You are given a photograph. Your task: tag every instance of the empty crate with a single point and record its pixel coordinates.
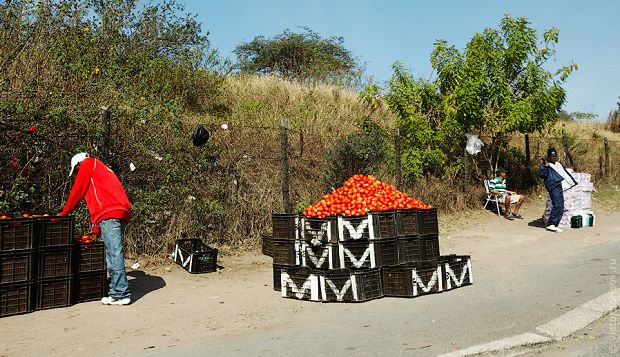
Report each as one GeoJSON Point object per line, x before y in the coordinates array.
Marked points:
{"type": "Point", "coordinates": [266, 245]}
{"type": "Point", "coordinates": [195, 256]}
{"type": "Point", "coordinates": [55, 262]}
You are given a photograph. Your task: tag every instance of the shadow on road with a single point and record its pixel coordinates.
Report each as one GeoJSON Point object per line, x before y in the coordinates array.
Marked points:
{"type": "Point", "coordinates": [141, 284]}
{"type": "Point", "coordinates": [537, 223]}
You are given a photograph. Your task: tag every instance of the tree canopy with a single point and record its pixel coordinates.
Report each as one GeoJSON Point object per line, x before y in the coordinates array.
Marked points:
{"type": "Point", "coordinates": [496, 86]}
{"type": "Point", "coordinates": [299, 56]}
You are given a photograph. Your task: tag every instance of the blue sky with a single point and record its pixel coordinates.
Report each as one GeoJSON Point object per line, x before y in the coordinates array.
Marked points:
{"type": "Point", "coordinates": [380, 33]}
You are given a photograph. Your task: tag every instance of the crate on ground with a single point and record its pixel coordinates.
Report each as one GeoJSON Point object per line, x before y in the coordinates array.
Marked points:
{"type": "Point", "coordinates": [417, 222]}
{"type": "Point", "coordinates": [195, 256]}
{"type": "Point", "coordinates": [53, 292]}
{"type": "Point", "coordinates": [17, 266]}
{"type": "Point", "coordinates": [457, 271]}
{"type": "Point", "coordinates": [90, 286]}
{"type": "Point", "coordinates": [16, 234]}
{"type": "Point", "coordinates": [300, 283]}
{"type": "Point", "coordinates": [412, 280]}
{"type": "Point", "coordinates": [89, 257]}
{"type": "Point", "coordinates": [348, 285]}
{"type": "Point", "coordinates": [285, 226]}
{"type": "Point", "coordinates": [319, 230]}
{"type": "Point", "coordinates": [429, 247]}
{"type": "Point", "coordinates": [321, 256]}
{"type": "Point", "coordinates": [266, 245]}
{"type": "Point", "coordinates": [54, 231]}
{"type": "Point", "coordinates": [286, 252]}
{"type": "Point", "coordinates": [16, 298]}
{"type": "Point", "coordinates": [54, 262]}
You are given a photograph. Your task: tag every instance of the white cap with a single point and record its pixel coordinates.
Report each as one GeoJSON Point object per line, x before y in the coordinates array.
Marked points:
{"type": "Point", "coordinates": [76, 159]}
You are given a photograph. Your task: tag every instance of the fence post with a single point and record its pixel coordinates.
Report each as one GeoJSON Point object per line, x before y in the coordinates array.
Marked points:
{"type": "Point", "coordinates": [527, 150]}
{"type": "Point", "coordinates": [567, 153]}
{"type": "Point", "coordinates": [105, 140]}
{"type": "Point", "coordinates": [606, 143]}
{"type": "Point", "coordinates": [465, 165]}
{"type": "Point", "coordinates": [399, 174]}
{"type": "Point", "coordinates": [286, 200]}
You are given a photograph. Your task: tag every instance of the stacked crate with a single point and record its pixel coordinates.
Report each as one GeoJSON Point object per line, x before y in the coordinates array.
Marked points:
{"type": "Point", "coordinates": [90, 271]}
{"type": "Point", "coordinates": [42, 267]}
{"type": "Point", "coordinates": [17, 258]}
{"type": "Point", "coordinates": [354, 259]}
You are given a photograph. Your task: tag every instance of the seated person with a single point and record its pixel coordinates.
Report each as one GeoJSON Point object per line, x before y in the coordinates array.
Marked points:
{"type": "Point", "coordinates": [498, 186]}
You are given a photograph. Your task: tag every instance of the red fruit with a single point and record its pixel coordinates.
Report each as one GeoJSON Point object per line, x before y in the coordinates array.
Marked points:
{"type": "Point", "coordinates": [32, 129]}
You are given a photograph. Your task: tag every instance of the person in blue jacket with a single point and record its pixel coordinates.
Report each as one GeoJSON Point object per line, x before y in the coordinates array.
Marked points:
{"type": "Point", "coordinates": [557, 180]}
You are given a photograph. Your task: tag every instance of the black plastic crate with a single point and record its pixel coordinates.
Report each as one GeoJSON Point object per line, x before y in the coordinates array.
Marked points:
{"type": "Point", "coordinates": [53, 292]}
{"type": "Point", "coordinates": [266, 245]}
{"type": "Point", "coordinates": [90, 286]}
{"type": "Point", "coordinates": [374, 225]}
{"type": "Point", "coordinates": [412, 280]}
{"type": "Point", "coordinates": [300, 283]}
{"type": "Point", "coordinates": [16, 298]}
{"type": "Point", "coordinates": [53, 231]}
{"type": "Point", "coordinates": [54, 262]}
{"type": "Point", "coordinates": [429, 247]}
{"type": "Point", "coordinates": [319, 230]}
{"type": "Point", "coordinates": [408, 250]}
{"type": "Point", "coordinates": [277, 275]}
{"type": "Point", "coordinates": [386, 252]}
{"type": "Point", "coordinates": [417, 222]}
{"type": "Point", "coordinates": [285, 226]}
{"type": "Point", "coordinates": [195, 256]}
{"type": "Point", "coordinates": [322, 256]}
{"type": "Point", "coordinates": [286, 252]}
{"type": "Point", "coordinates": [89, 257]}
{"type": "Point", "coordinates": [457, 271]}
{"type": "Point", "coordinates": [347, 285]}
{"type": "Point", "coordinates": [16, 234]}
{"type": "Point", "coordinates": [17, 266]}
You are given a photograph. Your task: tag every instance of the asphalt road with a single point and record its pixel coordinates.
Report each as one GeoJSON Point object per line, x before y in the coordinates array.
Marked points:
{"type": "Point", "coordinates": [524, 277]}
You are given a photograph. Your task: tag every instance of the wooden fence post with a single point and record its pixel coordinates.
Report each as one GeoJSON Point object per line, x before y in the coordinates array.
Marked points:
{"type": "Point", "coordinates": [105, 139]}
{"type": "Point", "coordinates": [399, 175]}
{"type": "Point", "coordinates": [528, 158]}
{"type": "Point", "coordinates": [286, 200]}
{"type": "Point", "coordinates": [465, 164]}
{"type": "Point", "coordinates": [606, 144]}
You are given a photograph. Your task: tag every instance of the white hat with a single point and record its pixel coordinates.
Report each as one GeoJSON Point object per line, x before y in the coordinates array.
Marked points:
{"type": "Point", "coordinates": [76, 159]}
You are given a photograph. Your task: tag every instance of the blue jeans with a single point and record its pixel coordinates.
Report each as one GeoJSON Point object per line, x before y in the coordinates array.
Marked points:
{"type": "Point", "coordinates": [557, 205]}
{"type": "Point", "coordinates": [112, 231]}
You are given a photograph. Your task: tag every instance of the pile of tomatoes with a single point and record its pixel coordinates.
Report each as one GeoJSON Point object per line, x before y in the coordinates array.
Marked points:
{"type": "Point", "coordinates": [22, 215]}
{"type": "Point", "coordinates": [359, 195]}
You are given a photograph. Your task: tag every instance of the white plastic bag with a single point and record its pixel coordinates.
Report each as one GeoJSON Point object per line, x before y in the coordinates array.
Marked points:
{"type": "Point", "coordinates": [474, 144]}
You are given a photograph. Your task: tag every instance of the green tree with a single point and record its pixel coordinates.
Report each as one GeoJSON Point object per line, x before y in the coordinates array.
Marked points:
{"type": "Point", "coordinates": [300, 56]}
{"type": "Point", "coordinates": [498, 85]}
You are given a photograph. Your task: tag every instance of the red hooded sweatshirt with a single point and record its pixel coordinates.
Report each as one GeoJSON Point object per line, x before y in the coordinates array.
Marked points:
{"type": "Point", "coordinates": [104, 194]}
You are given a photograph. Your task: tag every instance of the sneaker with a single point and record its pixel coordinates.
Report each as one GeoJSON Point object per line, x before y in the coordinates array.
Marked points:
{"type": "Point", "coordinates": [553, 228]}
{"type": "Point", "coordinates": [109, 300]}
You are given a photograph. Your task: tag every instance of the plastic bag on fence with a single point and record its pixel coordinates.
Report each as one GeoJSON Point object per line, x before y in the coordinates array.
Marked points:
{"type": "Point", "coordinates": [200, 136]}
{"type": "Point", "coordinates": [474, 144]}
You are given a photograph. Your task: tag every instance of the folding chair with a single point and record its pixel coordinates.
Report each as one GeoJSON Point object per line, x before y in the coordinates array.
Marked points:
{"type": "Point", "coordinates": [491, 197]}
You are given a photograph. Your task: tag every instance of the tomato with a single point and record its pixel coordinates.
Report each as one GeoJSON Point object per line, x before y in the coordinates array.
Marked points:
{"type": "Point", "coordinates": [359, 195]}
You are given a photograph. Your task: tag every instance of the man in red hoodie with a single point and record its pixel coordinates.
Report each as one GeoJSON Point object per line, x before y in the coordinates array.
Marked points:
{"type": "Point", "coordinates": [110, 211]}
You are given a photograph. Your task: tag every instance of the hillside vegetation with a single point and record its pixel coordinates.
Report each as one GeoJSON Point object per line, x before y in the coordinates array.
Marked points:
{"type": "Point", "coordinates": [159, 78]}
